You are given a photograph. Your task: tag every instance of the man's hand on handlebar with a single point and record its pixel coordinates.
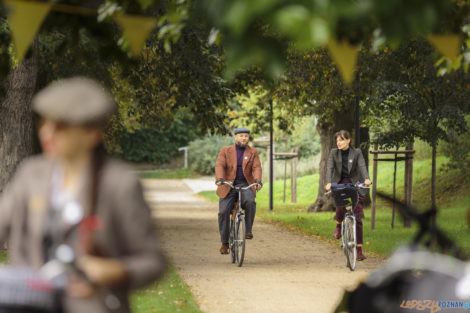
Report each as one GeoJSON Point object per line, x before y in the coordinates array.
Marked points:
{"type": "Point", "coordinates": [367, 182]}
{"type": "Point", "coordinates": [219, 181]}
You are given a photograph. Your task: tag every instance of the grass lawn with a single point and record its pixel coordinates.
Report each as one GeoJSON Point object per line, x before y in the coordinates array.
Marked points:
{"type": "Point", "coordinates": [170, 174]}
{"type": "Point", "coordinates": [171, 294]}
{"type": "Point", "coordinates": [3, 257]}
{"type": "Point", "coordinates": [453, 201]}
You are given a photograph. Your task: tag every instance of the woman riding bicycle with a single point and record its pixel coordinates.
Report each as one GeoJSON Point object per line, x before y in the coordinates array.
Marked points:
{"type": "Point", "coordinates": [346, 165]}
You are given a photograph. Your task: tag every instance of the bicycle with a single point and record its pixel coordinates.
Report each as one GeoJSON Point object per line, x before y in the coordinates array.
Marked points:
{"type": "Point", "coordinates": [345, 195]}
{"type": "Point", "coordinates": [237, 238]}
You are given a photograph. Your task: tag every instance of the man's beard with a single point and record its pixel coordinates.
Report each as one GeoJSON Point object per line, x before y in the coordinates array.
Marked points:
{"type": "Point", "coordinates": [241, 145]}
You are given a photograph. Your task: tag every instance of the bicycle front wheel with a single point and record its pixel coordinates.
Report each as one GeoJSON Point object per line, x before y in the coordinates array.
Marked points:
{"type": "Point", "coordinates": [231, 240]}
{"type": "Point", "coordinates": [239, 239]}
{"type": "Point", "coordinates": [349, 244]}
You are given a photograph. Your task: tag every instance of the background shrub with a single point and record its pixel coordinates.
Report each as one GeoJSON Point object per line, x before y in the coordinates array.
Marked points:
{"type": "Point", "coordinates": [202, 153]}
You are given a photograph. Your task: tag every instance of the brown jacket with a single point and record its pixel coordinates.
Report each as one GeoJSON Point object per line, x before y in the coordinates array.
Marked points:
{"type": "Point", "coordinates": [126, 232]}
{"type": "Point", "coordinates": [226, 167]}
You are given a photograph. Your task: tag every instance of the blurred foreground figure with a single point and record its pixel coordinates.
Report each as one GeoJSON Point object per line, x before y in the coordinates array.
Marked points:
{"type": "Point", "coordinates": [73, 206]}
{"type": "Point", "coordinates": [415, 278]}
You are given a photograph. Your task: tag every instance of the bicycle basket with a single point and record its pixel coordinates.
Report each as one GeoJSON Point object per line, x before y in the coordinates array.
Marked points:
{"type": "Point", "coordinates": [344, 194]}
{"type": "Point", "coordinates": [23, 289]}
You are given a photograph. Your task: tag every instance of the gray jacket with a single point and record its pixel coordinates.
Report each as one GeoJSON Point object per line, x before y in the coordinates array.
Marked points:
{"type": "Point", "coordinates": [356, 166]}
{"type": "Point", "coordinates": [126, 232]}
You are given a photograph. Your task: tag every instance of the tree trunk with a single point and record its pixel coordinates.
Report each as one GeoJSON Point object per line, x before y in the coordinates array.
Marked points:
{"type": "Point", "coordinates": [16, 121]}
{"type": "Point", "coordinates": [365, 146]}
{"type": "Point", "coordinates": [433, 180]}
{"type": "Point", "coordinates": [433, 198]}
{"type": "Point", "coordinates": [323, 203]}
{"type": "Point", "coordinates": [342, 120]}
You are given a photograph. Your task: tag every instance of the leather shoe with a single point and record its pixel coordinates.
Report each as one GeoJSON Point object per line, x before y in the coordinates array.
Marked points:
{"type": "Point", "coordinates": [360, 256]}
{"type": "Point", "coordinates": [249, 235]}
{"type": "Point", "coordinates": [224, 248]}
{"type": "Point", "coordinates": [337, 233]}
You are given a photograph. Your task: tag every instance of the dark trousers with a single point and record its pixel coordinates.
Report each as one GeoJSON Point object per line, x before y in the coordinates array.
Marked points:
{"type": "Point", "coordinates": [227, 204]}
{"type": "Point", "coordinates": [358, 213]}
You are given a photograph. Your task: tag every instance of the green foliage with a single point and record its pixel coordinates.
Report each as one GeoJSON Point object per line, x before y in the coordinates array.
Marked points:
{"type": "Point", "coordinates": [155, 145]}
{"type": "Point", "coordinates": [422, 150]}
{"type": "Point", "coordinates": [251, 109]}
{"type": "Point", "coordinates": [4, 51]}
{"type": "Point", "coordinates": [162, 84]}
{"type": "Point", "coordinates": [457, 148]}
{"type": "Point", "coordinates": [305, 137]}
{"type": "Point", "coordinates": [171, 294]}
{"type": "Point", "coordinates": [258, 33]}
{"type": "Point", "coordinates": [414, 101]}
{"type": "Point", "coordinates": [202, 153]}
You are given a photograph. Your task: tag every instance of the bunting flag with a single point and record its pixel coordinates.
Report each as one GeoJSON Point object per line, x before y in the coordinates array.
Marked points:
{"type": "Point", "coordinates": [24, 19]}
{"type": "Point", "coordinates": [345, 56]}
{"type": "Point", "coordinates": [447, 45]}
{"type": "Point", "coordinates": [136, 30]}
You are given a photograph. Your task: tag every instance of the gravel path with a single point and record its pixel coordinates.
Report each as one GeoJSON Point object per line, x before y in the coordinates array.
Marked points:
{"type": "Point", "coordinates": [283, 271]}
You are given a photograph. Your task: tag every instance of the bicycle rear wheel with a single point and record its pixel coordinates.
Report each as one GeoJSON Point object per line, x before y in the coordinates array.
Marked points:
{"type": "Point", "coordinates": [231, 240]}
{"type": "Point", "coordinates": [240, 239]}
{"type": "Point", "coordinates": [349, 244]}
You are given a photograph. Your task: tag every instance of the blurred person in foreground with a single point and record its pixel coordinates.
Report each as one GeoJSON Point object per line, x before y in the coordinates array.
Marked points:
{"type": "Point", "coordinates": [72, 194]}
{"type": "Point", "coordinates": [240, 164]}
{"type": "Point", "coordinates": [346, 165]}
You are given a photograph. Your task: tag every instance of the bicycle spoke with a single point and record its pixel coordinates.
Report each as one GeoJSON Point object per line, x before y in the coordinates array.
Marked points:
{"type": "Point", "coordinates": [232, 241]}
{"type": "Point", "coordinates": [240, 233]}
{"type": "Point", "coordinates": [350, 248]}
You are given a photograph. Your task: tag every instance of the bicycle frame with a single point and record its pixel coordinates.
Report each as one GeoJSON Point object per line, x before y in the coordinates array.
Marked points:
{"type": "Point", "coordinates": [349, 214]}
{"type": "Point", "coordinates": [235, 244]}
{"type": "Point", "coordinates": [239, 189]}
{"type": "Point", "coordinates": [349, 246]}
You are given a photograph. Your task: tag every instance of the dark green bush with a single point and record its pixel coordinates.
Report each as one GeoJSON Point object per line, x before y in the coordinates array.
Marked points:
{"type": "Point", "coordinates": [154, 145]}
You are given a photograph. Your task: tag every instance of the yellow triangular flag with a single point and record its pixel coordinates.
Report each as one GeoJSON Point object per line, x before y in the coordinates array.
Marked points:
{"type": "Point", "coordinates": [447, 45]}
{"type": "Point", "coordinates": [24, 19]}
{"type": "Point", "coordinates": [345, 55]}
{"type": "Point", "coordinates": [136, 29]}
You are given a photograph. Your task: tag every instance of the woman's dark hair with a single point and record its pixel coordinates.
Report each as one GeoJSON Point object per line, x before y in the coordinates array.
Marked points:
{"type": "Point", "coordinates": [343, 134]}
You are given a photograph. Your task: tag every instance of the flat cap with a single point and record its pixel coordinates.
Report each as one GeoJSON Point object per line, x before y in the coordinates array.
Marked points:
{"type": "Point", "coordinates": [241, 130]}
{"type": "Point", "coordinates": [75, 101]}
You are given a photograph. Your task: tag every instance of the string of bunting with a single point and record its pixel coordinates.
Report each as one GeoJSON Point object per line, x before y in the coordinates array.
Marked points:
{"type": "Point", "coordinates": [26, 17]}
{"type": "Point", "coordinates": [345, 54]}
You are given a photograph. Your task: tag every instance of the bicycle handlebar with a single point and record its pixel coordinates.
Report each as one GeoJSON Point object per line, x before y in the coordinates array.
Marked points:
{"type": "Point", "coordinates": [357, 185]}
{"type": "Point", "coordinates": [242, 188]}
{"type": "Point", "coordinates": [362, 185]}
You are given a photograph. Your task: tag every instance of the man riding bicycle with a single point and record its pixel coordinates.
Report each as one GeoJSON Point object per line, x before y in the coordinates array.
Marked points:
{"type": "Point", "coordinates": [240, 164]}
{"type": "Point", "coordinates": [346, 165]}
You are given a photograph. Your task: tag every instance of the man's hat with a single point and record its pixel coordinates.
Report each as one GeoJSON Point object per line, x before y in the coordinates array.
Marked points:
{"type": "Point", "coordinates": [75, 101]}
{"type": "Point", "coordinates": [241, 130]}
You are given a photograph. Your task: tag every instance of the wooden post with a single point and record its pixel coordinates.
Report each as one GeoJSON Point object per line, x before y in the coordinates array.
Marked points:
{"type": "Point", "coordinates": [293, 177]}
{"type": "Point", "coordinates": [274, 162]}
{"type": "Point", "coordinates": [285, 174]}
{"type": "Point", "coordinates": [408, 181]}
{"type": "Point", "coordinates": [374, 188]}
{"type": "Point", "coordinates": [268, 165]}
{"type": "Point", "coordinates": [394, 190]}
{"type": "Point", "coordinates": [405, 220]}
